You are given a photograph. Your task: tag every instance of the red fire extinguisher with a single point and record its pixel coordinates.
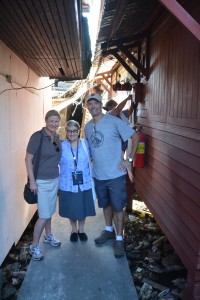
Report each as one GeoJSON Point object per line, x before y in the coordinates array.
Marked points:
{"type": "Point", "coordinates": [139, 156]}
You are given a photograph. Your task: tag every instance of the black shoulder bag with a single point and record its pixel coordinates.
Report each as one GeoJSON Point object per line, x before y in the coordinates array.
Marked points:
{"type": "Point", "coordinates": [29, 196]}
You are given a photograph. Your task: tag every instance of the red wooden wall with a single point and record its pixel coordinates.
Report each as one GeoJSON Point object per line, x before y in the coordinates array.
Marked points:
{"type": "Point", "coordinates": [170, 114]}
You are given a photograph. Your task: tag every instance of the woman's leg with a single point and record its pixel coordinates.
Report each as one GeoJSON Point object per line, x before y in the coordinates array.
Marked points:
{"type": "Point", "coordinates": [74, 226]}
{"type": "Point", "coordinates": [39, 227]}
{"type": "Point", "coordinates": [48, 227]}
{"type": "Point", "coordinates": [81, 224]}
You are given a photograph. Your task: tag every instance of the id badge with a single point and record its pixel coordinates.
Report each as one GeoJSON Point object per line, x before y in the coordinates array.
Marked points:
{"type": "Point", "coordinates": [77, 177]}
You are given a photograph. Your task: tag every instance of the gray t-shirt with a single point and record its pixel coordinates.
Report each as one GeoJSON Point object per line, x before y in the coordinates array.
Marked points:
{"type": "Point", "coordinates": [123, 115]}
{"type": "Point", "coordinates": [104, 140]}
{"type": "Point", "coordinates": [49, 157]}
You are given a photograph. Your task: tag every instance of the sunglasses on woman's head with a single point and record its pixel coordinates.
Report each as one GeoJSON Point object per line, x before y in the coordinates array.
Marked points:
{"type": "Point", "coordinates": [56, 145]}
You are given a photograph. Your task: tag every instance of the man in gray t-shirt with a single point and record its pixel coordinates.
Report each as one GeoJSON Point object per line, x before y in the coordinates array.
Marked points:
{"type": "Point", "coordinates": [104, 134]}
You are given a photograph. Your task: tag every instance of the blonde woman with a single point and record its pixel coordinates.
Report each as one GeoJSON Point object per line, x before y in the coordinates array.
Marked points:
{"type": "Point", "coordinates": [76, 199]}
{"type": "Point", "coordinates": [46, 183]}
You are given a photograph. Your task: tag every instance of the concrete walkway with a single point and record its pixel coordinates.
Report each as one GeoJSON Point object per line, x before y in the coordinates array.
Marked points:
{"type": "Point", "coordinates": [78, 270]}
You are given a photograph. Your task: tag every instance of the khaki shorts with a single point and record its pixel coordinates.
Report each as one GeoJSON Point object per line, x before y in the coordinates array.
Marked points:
{"type": "Point", "coordinates": [47, 196]}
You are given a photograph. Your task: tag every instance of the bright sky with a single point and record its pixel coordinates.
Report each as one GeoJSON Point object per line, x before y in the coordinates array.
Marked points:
{"type": "Point", "coordinates": [93, 18]}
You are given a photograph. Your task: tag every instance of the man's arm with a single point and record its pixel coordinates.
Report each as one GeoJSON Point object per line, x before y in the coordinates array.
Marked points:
{"type": "Point", "coordinates": [125, 163]}
{"type": "Point", "coordinates": [131, 108]}
{"type": "Point", "coordinates": [135, 141]}
{"type": "Point", "coordinates": [116, 111]}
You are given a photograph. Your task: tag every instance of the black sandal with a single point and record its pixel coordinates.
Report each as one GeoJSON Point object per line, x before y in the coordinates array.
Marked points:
{"type": "Point", "coordinates": [82, 236]}
{"type": "Point", "coordinates": [74, 237]}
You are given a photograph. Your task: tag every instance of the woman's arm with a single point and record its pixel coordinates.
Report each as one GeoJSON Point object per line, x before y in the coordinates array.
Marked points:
{"type": "Point", "coordinates": [29, 168]}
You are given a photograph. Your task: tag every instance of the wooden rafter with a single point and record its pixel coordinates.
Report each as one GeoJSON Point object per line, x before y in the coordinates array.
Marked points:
{"type": "Point", "coordinates": [119, 12]}
{"type": "Point", "coordinates": [105, 73]}
{"type": "Point", "coordinates": [183, 16]}
{"type": "Point", "coordinates": [125, 65]}
{"type": "Point", "coordinates": [131, 39]}
{"type": "Point", "coordinates": [120, 47]}
{"type": "Point", "coordinates": [122, 62]}
{"type": "Point", "coordinates": [105, 87]}
{"type": "Point", "coordinates": [106, 79]}
{"type": "Point", "coordinates": [134, 60]}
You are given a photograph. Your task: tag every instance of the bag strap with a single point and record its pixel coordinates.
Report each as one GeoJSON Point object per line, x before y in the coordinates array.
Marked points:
{"type": "Point", "coordinates": [36, 166]}
{"type": "Point", "coordinates": [38, 157]}
{"type": "Point", "coordinates": [85, 147]}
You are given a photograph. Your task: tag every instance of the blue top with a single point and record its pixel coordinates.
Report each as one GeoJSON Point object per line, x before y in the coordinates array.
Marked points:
{"type": "Point", "coordinates": [67, 167]}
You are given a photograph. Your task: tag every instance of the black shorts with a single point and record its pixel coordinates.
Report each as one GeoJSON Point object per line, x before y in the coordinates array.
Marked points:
{"type": "Point", "coordinates": [111, 192]}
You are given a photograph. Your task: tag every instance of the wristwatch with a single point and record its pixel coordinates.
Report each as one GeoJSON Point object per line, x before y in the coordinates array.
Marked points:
{"type": "Point", "coordinates": [130, 159]}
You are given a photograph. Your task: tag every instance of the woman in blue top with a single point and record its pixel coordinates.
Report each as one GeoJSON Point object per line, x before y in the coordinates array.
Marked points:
{"type": "Point", "coordinates": [76, 198]}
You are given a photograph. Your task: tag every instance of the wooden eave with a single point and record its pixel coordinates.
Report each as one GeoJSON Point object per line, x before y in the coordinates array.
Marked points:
{"type": "Point", "coordinates": [183, 16]}
{"type": "Point", "coordinates": [45, 34]}
{"type": "Point", "coordinates": [129, 27]}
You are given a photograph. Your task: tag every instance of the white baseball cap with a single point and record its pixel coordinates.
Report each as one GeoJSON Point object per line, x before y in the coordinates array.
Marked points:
{"type": "Point", "coordinates": [95, 97]}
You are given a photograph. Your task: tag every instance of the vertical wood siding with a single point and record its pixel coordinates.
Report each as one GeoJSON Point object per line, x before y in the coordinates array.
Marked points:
{"type": "Point", "coordinates": [170, 114]}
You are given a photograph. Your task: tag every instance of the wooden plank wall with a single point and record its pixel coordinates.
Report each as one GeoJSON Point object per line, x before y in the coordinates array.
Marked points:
{"type": "Point", "coordinates": [170, 114]}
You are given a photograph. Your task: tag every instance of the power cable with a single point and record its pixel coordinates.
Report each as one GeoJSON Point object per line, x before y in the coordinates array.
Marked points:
{"type": "Point", "coordinates": [30, 87]}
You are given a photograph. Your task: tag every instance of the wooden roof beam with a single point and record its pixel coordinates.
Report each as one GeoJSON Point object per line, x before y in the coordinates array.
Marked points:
{"type": "Point", "coordinates": [116, 66]}
{"type": "Point", "coordinates": [183, 16]}
{"type": "Point", "coordinates": [130, 41]}
{"type": "Point", "coordinates": [105, 73]}
{"type": "Point", "coordinates": [122, 62]}
{"type": "Point", "coordinates": [134, 60]}
{"type": "Point", "coordinates": [119, 12]}
{"type": "Point", "coordinates": [105, 87]}
{"type": "Point", "coordinates": [125, 65]}
{"type": "Point", "coordinates": [106, 79]}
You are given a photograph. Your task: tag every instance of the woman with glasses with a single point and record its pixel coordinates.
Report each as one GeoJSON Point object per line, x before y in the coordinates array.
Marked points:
{"type": "Point", "coordinates": [46, 182]}
{"type": "Point", "coordinates": [76, 196]}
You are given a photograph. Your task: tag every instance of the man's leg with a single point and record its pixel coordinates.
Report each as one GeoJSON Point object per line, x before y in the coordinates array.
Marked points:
{"type": "Point", "coordinates": [108, 233]}
{"type": "Point", "coordinates": [119, 250]}
{"type": "Point", "coordinates": [119, 222]}
{"type": "Point", "coordinates": [119, 201]}
{"type": "Point", "coordinates": [108, 215]}
{"type": "Point", "coordinates": [101, 187]}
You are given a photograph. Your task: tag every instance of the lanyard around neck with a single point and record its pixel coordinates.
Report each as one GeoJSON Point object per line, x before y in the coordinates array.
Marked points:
{"type": "Point", "coordinates": [75, 157]}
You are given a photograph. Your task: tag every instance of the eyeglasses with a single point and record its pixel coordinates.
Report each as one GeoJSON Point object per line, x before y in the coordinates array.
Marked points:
{"type": "Point", "coordinates": [56, 145]}
{"type": "Point", "coordinates": [72, 131]}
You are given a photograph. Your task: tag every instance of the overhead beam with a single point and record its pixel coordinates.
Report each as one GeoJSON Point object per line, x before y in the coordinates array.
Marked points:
{"type": "Point", "coordinates": [124, 64]}
{"type": "Point", "coordinates": [106, 79]}
{"type": "Point", "coordinates": [135, 61]}
{"type": "Point", "coordinates": [65, 78]}
{"type": "Point", "coordinates": [105, 73]}
{"type": "Point", "coordinates": [119, 12]}
{"type": "Point", "coordinates": [131, 39]}
{"type": "Point", "coordinates": [115, 68]}
{"type": "Point", "coordinates": [105, 87]}
{"type": "Point", "coordinates": [183, 16]}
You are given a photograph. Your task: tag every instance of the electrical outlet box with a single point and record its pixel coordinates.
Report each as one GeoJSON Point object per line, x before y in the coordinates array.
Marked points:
{"type": "Point", "coordinates": [8, 78]}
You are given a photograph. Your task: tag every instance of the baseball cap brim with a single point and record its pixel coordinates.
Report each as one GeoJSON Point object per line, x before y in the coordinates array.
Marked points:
{"type": "Point", "coordinates": [96, 97]}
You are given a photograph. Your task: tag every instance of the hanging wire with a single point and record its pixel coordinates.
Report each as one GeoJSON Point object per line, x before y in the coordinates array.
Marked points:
{"type": "Point", "coordinates": [31, 87]}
